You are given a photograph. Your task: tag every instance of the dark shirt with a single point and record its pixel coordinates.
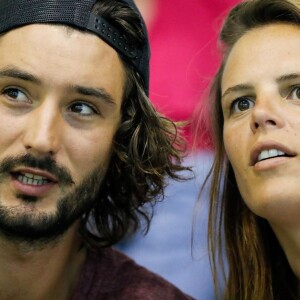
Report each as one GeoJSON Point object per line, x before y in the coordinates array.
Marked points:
{"type": "Point", "coordinates": [108, 274]}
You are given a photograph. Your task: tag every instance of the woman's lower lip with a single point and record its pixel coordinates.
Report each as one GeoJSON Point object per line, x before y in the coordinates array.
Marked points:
{"type": "Point", "coordinates": [31, 190]}
{"type": "Point", "coordinates": [271, 163]}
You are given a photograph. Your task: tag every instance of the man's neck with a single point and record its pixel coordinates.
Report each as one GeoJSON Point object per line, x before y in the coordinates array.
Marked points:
{"type": "Point", "coordinates": [50, 272]}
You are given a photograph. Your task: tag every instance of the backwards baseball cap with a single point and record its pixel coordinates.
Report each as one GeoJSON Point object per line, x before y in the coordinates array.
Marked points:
{"type": "Point", "coordinates": [78, 13]}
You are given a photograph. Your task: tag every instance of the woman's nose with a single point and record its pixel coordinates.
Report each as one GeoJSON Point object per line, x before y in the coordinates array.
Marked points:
{"type": "Point", "coordinates": [266, 114]}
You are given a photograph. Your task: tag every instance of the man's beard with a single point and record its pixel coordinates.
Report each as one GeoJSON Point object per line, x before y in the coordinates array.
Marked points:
{"type": "Point", "coordinates": [32, 227]}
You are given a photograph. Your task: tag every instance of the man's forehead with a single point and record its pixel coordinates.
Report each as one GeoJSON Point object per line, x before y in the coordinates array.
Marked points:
{"type": "Point", "coordinates": [78, 14]}
{"type": "Point", "coordinates": [60, 61]}
{"type": "Point", "coordinates": [39, 32]}
{"type": "Point", "coordinates": [67, 29]}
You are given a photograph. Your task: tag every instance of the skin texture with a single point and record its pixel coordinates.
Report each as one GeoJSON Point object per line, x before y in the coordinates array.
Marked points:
{"type": "Point", "coordinates": [264, 69]}
{"type": "Point", "coordinates": [51, 118]}
{"type": "Point", "coordinates": [148, 9]}
{"type": "Point", "coordinates": [43, 123]}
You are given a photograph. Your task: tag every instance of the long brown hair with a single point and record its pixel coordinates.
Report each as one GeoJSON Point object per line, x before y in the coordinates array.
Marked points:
{"type": "Point", "coordinates": [147, 149]}
{"type": "Point", "coordinates": [257, 267]}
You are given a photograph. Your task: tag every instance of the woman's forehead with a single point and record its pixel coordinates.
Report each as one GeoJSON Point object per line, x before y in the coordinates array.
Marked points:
{"type": "Point", "coordinates": [268, 50]}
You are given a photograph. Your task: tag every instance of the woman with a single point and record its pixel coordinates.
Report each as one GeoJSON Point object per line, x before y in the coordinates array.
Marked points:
{"type": "Point", "coordinates": [255, 192]}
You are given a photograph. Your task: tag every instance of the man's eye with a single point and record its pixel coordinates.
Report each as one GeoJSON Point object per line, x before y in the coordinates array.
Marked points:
{"type": "Point", "coordinates": [15, 94]}
{"type": "Point", "coordinates": [295, 93]}
{"type": "Point", "coordinates": [242, 104]}
{"type": "Point", "coordinates": [83, 109]}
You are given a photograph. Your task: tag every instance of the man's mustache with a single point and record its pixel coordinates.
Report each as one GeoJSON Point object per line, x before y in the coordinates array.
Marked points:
{"type": "Point", "coordinates": [46, 163]}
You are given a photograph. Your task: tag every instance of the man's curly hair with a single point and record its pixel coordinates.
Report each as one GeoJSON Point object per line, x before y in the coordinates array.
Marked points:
{"type": "Point", "coordinates": [147, 149]}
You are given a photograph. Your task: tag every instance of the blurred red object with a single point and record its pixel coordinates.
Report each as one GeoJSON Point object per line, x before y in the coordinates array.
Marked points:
{"type": "Point", "coordinates": [184, 55]}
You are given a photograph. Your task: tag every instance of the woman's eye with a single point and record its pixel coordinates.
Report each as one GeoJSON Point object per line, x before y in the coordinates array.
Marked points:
{"type": "Point", "coordinates": [83, 109]}
{"type": "Point", "coordinates": [242, 104]}
{"type": "Point", "coordinates": [295, 93]}
{"type": "Point", "coordinates": [15, 94]}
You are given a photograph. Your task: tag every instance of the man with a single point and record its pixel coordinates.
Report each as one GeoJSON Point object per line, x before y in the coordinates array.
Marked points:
{"type": "Point", "coordinates": [81, 150]}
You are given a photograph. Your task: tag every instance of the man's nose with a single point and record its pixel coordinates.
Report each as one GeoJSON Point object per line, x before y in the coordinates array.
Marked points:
{"type": "Point", "coordinates": [43, 130]}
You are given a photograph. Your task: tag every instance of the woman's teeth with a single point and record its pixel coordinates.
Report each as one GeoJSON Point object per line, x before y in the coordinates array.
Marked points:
{"type": "Point", "coordinates": [269, 154]}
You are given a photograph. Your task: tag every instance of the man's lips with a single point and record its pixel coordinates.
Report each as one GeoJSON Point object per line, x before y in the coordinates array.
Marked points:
{"type": "Point", "coordinates": [35, 173]}
{"type": "Point", "coordinates": [32, 182]}
{"type": "Point", "coordinates": [269, 146]}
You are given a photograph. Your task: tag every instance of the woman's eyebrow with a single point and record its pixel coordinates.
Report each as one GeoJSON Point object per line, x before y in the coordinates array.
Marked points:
{"type": "Point", "coordinates": [287, 77]}
{"type": "Point", "coordinates": [237, 88]}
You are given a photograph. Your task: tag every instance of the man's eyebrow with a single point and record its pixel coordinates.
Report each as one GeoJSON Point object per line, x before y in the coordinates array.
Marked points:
{"type": "Point", "coordinates": [19, 74]}
{"type": "Point", "coordinates": [14, 72]}
{"type": "Point", "coordinates": [288, 77]}
{"type": "Point", "coordinates": [94, 92]}
{"type": "Point", "coordinates": [237, 88]}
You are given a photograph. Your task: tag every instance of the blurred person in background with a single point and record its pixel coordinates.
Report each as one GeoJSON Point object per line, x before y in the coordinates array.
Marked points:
{"type": "Point", "coordinates": [183, 37]}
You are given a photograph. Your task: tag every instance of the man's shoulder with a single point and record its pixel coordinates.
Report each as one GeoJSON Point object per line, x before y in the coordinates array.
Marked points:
{"type": "Point", "coordinates": [109, 274]}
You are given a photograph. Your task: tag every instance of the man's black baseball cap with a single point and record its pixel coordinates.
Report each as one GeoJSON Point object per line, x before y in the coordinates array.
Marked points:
{"type": "Point", "coordinates": [78, 13]}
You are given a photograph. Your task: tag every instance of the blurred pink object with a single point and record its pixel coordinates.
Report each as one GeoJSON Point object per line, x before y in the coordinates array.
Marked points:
{"type": "Point", "coordinates": [183, 37]}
